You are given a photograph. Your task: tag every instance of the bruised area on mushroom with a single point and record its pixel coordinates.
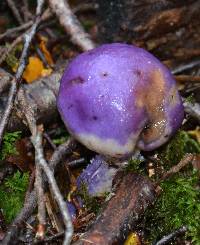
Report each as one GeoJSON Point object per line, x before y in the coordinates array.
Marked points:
{"type": "Point", "coordinates": [117, 97]}
{"type": "Point", "coordinates": [164, 109]}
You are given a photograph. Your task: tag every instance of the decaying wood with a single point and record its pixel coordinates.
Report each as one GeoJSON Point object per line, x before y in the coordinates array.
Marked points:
{"type": "Point", "coordinates": [170, 29]}
{"type": "Point", "coordinates": [132, 195]}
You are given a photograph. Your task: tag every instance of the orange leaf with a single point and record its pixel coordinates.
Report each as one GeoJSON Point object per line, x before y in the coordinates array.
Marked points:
{"type": "Point", "coordinates": [33, 70]}
{"type": "Point", "coordinates": [46, 53]}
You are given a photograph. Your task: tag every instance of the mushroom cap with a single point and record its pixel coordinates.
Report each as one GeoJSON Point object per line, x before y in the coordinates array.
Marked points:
{"type": "Point", "coordinates": [117, 97]}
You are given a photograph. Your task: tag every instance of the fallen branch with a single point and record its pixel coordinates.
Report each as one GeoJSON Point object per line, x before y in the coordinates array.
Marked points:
{"type": "Point", "coordinates": [167, 239]}
{"type": "Point", "coordinates": [15, 11]}
{"type": "Point", "coordinates": [71, 24]}
{"type": "Point", "coordinates": [22, 64]}
{"type": "Point", "coordinates": [122, 211]}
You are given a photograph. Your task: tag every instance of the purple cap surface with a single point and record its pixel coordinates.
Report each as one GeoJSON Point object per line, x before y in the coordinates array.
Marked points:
{"type": "Point", "coordinates": [116, 97]}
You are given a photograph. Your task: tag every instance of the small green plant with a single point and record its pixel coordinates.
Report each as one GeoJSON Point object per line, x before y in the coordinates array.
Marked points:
{"type": "Point", "coordinates": [8, 144]}
{"type": "Point", "coordinates": [12, 193]}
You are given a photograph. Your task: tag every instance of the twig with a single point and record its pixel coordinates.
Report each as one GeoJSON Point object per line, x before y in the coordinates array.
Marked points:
{"type": "Point", "coordinates": [166, 239]}
{"type": "Point", "coordinates": [27, 14]}
{"type": "Point", "coordinates": [186, 67]}
{"type": "Point", "coordinates": [10, 48]}
{"type": "Point", "coordinates": [46, 136]}
{"type": "Point", "coordinates": [82, 7]}
{"type": "Point", "coordinates": [22, 63]}
{"type": "Point", "coordinates": [175, 169]}
{"type": "Point", "coordinates": [6, 51]}
{"type": "Point", "coordinates": [31, 200]}
{"type": "Point", "coordinates": [187, 78]}
{"type": "Point", "coordinates": [15, 11]}
{"type": "Point", "coordinates": [16, 29]}
{"type": "Point", "coordinates": [71, 24]}
{"type": "Point", "coordinates": [51, 238]}
{"type": "Point", "coordinates": [39, 186]}
{"type": "Point", "coordinates": [76, 163]}
{"type": "Point", "coordinates": [193, 109]}
{"type": "Point", "coordinates": [40, 161]}
{"type": "Point", "coordinates": [39, 156]}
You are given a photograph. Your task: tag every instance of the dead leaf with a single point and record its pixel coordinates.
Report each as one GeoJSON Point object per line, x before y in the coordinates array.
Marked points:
{"type": "Point", "coordinates": [195, 133]}
{"type": "Point", "coordinates": [35, 69]}
{"type": "Point", "coordinates": [133, 239]}
{"type": "Point", "coordinates": [45, 51]}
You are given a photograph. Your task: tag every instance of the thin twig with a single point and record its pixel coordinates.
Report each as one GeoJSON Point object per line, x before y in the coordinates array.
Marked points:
{"type": "Point", "coordinates": [8, 49]}
{"type": "Point", "coordinates": [71, 24]}
{"type": "Point", "coordinates": [46, 136]}
{"type": "Point", "coordinates": [193, 109]}
{"type": "Point", "coordinates": [22, 64]}
{"type": "Point", "coordinates": [166, 239]}
{"type": "Point", "coordinates": [40, 161]}
{"type": "Point", "coordinates": [15, 11]}
{"type": "Point", "coordinates": [76, 163]}
{"type": "Point", "coordinates": [185, 67]}
{"type": "Point", "coordinates": [31, 201]}
{"type": "Point", "coordinates": [175, 169]}
{"type": "Point", "coordinates": [39, 156]}
{"type": "Point", "coordinates": [16, 29]}
{"type": "Point", "coordinates": [39, 186]}
{"type": "Point", "coordinates": [46, 15]}
{"type": "Point", "coordinates": [27, 14]}
{"type": "Point", "coordinates": [187, 78]}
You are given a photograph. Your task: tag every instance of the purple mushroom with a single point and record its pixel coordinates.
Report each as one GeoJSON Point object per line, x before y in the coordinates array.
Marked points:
{"type": "Point", "coordinates": [117, 97]}
{"type": "Point", "coordinates": [97, 177]}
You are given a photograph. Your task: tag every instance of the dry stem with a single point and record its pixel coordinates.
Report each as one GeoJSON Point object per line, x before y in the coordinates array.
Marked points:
{"type": "Point", "coordinates": [71, 24]}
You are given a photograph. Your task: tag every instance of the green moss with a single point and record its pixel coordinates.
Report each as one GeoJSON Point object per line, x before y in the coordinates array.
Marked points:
{"type": "Point", "coordinates": [8, 144]}
{"type": "Point", "coordinates": [134, 165]}
{"type": "Point", "coordinates": [178, 205]}
{"type": "Point", "coordinates": [91, 203]}
{"type": "Point", "coordinates": [12, 193]}
{"type": "Point", "coordinates": [12, 59]}
{"type": "Point", "coordinates": [177, 147]}
{"type": "Point", "coordinates": [190, 99]}
{"type": "Point", "coordinates": [61, 136]}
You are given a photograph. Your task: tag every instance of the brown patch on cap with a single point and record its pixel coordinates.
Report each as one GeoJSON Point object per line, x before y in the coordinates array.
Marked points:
{"type": "Point", "coordinates": [173, 96]}
{"type": "Point", "coordinates": [77, 80]}
{"type": "Point", "coordinates": [152, 98]}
